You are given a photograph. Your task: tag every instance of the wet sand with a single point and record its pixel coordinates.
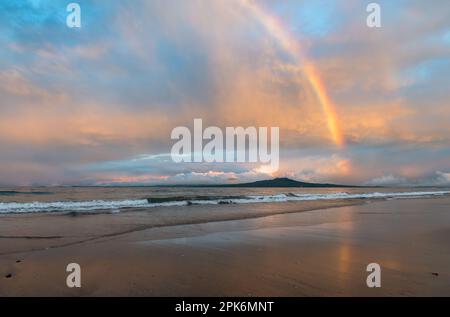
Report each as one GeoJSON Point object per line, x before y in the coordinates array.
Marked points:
{"type": "Point", "coordinates": [283, 249]}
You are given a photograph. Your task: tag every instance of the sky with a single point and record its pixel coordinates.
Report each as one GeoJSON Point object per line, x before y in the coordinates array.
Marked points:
{"type": "Point", "coordinates": [96, 105]}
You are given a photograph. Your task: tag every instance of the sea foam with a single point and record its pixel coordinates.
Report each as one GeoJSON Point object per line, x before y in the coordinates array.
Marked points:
{"type": "Point", "coordinates": [115, 205]}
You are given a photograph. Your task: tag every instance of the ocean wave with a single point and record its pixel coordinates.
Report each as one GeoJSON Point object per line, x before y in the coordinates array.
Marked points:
{"type": "Point", "coordinates": [158, 200]}
{"type": "Point", "coordinates": [117, 205]}
{"type": "Point", "coordinates": [80, 206]}
{"type": "Point", "coordinates": [14, 192]}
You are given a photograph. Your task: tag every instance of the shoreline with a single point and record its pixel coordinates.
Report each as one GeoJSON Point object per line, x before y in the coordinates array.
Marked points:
{"type": "Point", "coordinates": [66, 204]}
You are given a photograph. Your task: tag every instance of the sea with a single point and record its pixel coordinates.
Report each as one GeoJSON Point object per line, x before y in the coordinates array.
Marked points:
{"type": "Point", "coordinates": [22, 200]}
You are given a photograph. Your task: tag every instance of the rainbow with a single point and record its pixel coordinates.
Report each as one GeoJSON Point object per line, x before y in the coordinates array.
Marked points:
{"type": "Point", "coordinates": [290, 45]}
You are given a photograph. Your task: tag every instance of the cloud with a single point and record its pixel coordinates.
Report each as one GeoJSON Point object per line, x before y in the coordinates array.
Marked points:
{"type": "Point", "coordinates": [387, 180]}
{"type": "Point", "coordinates": [441, 179]}
{"type": "Point", "coordinates": [103, 95]}
{"type": "Point", "coordinates": [438, 179]}
{"type": "Point", "coordinates": [160, 169]}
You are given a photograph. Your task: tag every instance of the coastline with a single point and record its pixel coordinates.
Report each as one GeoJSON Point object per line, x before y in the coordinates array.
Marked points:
{"type": "Point", "coordinates": [289, 249]}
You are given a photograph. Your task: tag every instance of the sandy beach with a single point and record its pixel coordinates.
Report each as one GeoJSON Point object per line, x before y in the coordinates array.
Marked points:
{"type": "Point", "coordinates": [290, 249]}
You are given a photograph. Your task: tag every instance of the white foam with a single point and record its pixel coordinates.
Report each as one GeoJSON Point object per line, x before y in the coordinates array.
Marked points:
{"type": "Point", "coordinates": [80, 206]}
{"type": "Point", "coordinates": [116, 205]}
{"type": "Point", "coordinates": [309, 197]}
{"type": "Point", "coordinates": [344, 195]}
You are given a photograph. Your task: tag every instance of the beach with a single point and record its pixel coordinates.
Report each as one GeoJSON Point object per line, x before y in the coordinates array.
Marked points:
{"type": "Point", "coordinates": [241, 148]}
{"type": "Point", "coordinates": [316, 248]}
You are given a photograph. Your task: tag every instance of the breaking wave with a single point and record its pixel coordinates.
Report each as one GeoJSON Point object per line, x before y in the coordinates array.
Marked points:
{"type": "Point", "coordinates": [117, 205]}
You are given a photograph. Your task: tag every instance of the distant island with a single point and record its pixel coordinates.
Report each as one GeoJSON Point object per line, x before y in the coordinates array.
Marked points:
{"type": "Point", "coordinates": [283, 182]}
{"type": "Point", "coordinates": [276, 182]}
